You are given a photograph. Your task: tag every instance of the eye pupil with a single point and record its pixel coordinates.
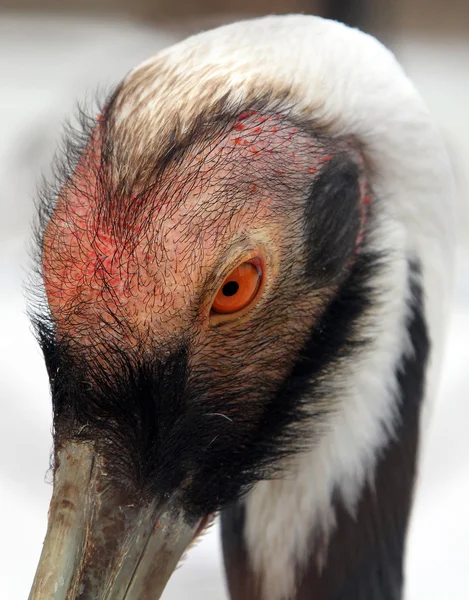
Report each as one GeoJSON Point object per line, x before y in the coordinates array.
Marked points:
{"type": "Point", "coordinates": [230, 288]}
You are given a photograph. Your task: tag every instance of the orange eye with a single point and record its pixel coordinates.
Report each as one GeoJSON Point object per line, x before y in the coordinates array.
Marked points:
{"type": "Point", "coordinates": [238, 289]}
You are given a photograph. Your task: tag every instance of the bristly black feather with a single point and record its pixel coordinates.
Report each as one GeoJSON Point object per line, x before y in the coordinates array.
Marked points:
{"type": "Point", "coordinates": [76, 137]}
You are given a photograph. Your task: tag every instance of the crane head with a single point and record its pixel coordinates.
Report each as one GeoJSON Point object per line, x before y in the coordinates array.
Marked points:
{"type": "Point", "coordinates": [182, 285]}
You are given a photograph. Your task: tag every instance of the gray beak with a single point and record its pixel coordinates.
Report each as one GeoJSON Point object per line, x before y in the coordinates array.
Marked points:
{"type": "Point", "coordinates": [100, 545]}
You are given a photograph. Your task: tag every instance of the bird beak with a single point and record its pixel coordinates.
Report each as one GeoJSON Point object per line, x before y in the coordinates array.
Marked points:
{"type": "Point", "coordinates": [101, 546]}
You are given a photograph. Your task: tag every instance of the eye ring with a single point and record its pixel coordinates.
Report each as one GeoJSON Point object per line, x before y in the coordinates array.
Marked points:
{"type": "Point", "coordinates": [239, 289]}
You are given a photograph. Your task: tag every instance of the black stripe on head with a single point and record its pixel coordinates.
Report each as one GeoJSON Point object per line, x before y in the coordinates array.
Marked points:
{"type": "Point", "coordinates": [332, 220]}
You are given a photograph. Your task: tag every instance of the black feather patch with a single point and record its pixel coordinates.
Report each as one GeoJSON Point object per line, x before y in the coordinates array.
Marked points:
{"type": "Point", "coordinates": [332, 220]}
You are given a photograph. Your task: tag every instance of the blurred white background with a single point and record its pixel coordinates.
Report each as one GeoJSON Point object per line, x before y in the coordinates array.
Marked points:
{"type": "Point", "coordinates": [46, 64]}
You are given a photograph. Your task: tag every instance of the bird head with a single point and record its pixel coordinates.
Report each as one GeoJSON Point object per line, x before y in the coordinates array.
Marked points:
{"type": "Point", "coordinates": [204, 264]}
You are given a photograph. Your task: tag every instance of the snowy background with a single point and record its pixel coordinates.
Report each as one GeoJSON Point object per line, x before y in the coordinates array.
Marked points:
{"type": "Point", "coordinates": [45, 66]}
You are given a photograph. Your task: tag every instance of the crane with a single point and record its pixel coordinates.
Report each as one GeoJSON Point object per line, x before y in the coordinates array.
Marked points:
{"type": "Point", "coordinates": [243, 282]}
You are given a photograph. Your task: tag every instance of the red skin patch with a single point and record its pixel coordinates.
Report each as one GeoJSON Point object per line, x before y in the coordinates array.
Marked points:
{"type": "Point", "coordinates": [246, 114]}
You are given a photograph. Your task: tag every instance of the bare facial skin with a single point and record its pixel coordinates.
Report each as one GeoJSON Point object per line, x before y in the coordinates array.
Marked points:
{"type": "Point", "coordinates": [155, 262]}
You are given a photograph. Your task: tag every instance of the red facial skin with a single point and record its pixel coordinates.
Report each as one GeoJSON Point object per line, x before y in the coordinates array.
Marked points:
{"type": "Point", "coordinates": [188, 233]}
